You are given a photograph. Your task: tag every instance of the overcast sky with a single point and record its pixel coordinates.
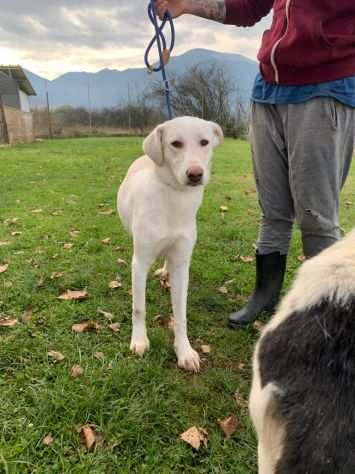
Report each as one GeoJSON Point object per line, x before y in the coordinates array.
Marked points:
{"type": "Point", "coordinates": [51, 37]}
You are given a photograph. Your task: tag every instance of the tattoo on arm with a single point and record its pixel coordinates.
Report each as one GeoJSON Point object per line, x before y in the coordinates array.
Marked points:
{"type": "Point", "coordinates": [211, 9]}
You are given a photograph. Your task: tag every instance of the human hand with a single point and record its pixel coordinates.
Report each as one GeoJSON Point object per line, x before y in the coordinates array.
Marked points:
{"type": "Point", "coordinates": [175, 7]}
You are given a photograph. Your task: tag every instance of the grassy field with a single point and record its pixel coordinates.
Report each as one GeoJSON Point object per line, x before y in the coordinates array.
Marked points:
{"type": "Point", "coordinates": [57, 193]}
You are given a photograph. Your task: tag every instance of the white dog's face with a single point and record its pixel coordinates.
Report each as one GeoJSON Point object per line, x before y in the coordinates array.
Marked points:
{"type": "Point", "coordinates": [184, 146]}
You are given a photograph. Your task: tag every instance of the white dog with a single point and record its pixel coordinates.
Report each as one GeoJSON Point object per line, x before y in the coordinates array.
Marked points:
{"type": "Point", "coordinates": [303, 391]}
{"type": "Point", "coordinates": [157, 202]}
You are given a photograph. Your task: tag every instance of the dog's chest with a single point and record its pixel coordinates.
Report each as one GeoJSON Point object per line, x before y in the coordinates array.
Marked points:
{"type": "Point", "coordinates": [179, 209]}
{"type": "Point", "coordinates": [167, 217]}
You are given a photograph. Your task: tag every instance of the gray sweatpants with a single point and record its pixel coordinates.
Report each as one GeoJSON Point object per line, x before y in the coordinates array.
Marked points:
{"type": "Point", "coordinates": [301, 157]}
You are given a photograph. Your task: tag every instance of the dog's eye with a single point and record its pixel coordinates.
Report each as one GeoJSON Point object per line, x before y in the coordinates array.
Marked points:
{"type": "Point", "coordinates": [177, 144]}
{"type": "Point", "coordinates": [204, 142]}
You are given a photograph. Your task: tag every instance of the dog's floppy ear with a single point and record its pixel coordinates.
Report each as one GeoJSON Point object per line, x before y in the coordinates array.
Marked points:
{"type": "Point", "coordinates": [153, 145]}
{"type": "Point", "coordinates": [217, 134]}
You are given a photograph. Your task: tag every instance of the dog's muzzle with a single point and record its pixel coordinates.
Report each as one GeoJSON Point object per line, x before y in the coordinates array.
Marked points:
{"type": "Point", "coordinates": [194, 175]}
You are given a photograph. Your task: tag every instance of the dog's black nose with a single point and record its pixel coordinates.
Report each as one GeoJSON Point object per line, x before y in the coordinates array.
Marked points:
{"type": "Point", "coordinates": [194, 174]}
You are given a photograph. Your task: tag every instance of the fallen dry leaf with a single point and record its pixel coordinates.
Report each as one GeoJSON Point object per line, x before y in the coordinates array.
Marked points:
{"type": "Point", "coordinates": [224, 209]}
{"type": "Point", "coordinates": [27, 316]}
{"type": "Point", "coordinates": [56, 275]}
{"type": "Point", "coordinates": [106, 241]}
{"type": "Point", "coordinates": [3, 268]}
{"type": "Point", "coordinates": [84, 326]}
{"type": "Point", "coordinates": [301, 258]}
{"type": "Point", "coordinates": [165, 284]}
{"type": "Point", "coordinates": [115, 327]}
{"type": "Point", "coordinates": [76, 371]}
{"type": "Point", "coordinates": [105, 314]}
{"type": "Point", "coordinates": [229, 282]}
{"type": "Point", "coordinates": [258, 325]}
{"type": "Point", "coordinates": [68, 246]}
{"type": "Point", "coordinates": [48, 439]}
{"type": "Point", "coordinates": [89, 436]}
{"type": "Point", "coordinates": [58, 356]}
{"type": "Point", "coordinates": [241, 401]}
{"type": "Point", "coordinates": [11, 220]}
{"type": "Point", "coordinates": [165, 322]}
{"type": "Point", "coordinates": [3, 243]}
{"type": "Point", "coordinates": [205, 348]}
{"type": "Point", "coordinates": [15, 233]}
{"type": "Point", "coordinates": [8, 323]}
{"type": "Point", "coordinates": [159, 319]}
{"type": "Point", "coordinates": [107, 212]}
{"type": "Point", "coordinates": [223, 290]}
{"type": "Point", "coordinates": [229, 425]}
{"type": "Point", "coordinates": [195, 436]}
{"type": "Point", "coordinates": [115, 284]}
{"type": "Point", "coordinates": [246, 258]}
{"type": "Point", "coordinates": [33, 262]}
{"type": "Point", "coordinates": [163, 276]}
{"type": "Point", "coordinates": [75, 233]}
{"type": "Point", "coordinates": [120, 261]}
{"type": "Point", "coordinates": [99, 355]}
{"type": "Point", "coordinates": [77, 295]}
{"type": "Point", "coordinates": [37, 211]}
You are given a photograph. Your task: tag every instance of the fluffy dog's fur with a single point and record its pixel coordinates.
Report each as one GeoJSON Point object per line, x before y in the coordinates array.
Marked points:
{"type": "Point", "coordinates": [302, 401]}
{"type": "Point", "coordinates": [157, 202]}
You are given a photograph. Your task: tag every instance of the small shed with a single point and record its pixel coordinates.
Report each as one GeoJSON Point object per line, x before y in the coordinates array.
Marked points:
{"type": "Point", "coordinates": [16, 125]}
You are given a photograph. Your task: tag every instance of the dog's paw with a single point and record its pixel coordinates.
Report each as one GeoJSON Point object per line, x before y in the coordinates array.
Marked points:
{"type": "Point", "coordinates": [188, 359]}
{"type": "Point", "coordinates": [139, 345]}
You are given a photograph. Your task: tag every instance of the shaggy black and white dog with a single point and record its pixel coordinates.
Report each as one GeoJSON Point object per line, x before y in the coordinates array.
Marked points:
{"type": "Point", "coordinates": [302, 401]}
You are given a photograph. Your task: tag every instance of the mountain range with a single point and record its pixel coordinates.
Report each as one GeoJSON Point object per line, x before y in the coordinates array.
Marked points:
{"type": "Point", "coordinates": [111, 88]}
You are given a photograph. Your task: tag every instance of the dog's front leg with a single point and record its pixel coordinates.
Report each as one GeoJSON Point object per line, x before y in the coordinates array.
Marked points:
{"type": "Point", "coordinates": [139, 340]}
{"type": "Point", "coordinates": [178, 267]}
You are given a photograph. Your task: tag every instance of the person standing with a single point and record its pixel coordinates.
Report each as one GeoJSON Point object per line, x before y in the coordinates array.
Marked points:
{"type": "Point", "coordinates": [302, 125]}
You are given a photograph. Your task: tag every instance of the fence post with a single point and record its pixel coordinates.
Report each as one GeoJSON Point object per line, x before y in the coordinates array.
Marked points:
{"type": "Point", "coordinates": [50, 129]}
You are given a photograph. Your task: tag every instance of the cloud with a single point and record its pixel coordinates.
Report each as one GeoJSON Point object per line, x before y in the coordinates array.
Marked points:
{"type": "Point", "coordinates": [53, 37]}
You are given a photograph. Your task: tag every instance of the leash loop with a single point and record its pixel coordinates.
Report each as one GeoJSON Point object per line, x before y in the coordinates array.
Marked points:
{"type": "Point", "coordinates": [163, 50]}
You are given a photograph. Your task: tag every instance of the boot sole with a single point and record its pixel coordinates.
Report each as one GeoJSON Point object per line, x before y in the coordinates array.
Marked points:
{"type": "Point", "coordinates": [236, 325]}
{"type": "Point", "coordinates": [239, 324]}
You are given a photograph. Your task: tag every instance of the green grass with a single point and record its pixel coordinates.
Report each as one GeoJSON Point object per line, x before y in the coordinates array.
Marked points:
{"type": "Point", "coordinates": [139, 406]}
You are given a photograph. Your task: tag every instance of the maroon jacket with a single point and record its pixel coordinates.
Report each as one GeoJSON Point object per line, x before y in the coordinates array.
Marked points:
{"type": "Point", "coordinates": [310, 41]}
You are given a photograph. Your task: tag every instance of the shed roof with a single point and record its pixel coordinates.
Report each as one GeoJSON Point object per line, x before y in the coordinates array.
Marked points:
{"type": "Point", "coordinates": [18, 74]}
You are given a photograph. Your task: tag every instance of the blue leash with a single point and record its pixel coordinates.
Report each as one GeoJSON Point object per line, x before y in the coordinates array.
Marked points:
{"type": "Point", "coordinates": [164, 52]}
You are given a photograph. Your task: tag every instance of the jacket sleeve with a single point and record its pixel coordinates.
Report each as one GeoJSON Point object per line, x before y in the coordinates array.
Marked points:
{"type": "Point", "coordinates": [246, 12]}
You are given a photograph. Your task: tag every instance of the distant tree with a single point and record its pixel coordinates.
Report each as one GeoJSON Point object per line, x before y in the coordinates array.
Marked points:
{"type": "Point", "coordinates": [206, 92]}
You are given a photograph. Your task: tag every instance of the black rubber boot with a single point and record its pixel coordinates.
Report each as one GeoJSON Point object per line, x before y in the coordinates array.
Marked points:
{"type": "Point", "coordinates": [270, 272]}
